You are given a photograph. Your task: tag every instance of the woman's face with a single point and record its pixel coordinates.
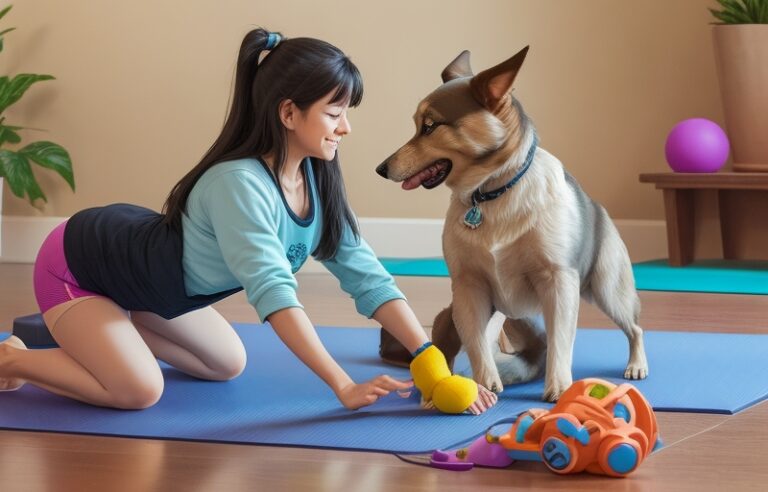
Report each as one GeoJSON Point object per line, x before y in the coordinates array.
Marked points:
{"type": "Point", "coordinates": [318, 130]}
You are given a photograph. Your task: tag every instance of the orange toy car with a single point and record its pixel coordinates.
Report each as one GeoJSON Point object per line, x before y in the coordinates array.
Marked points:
{"type": "Point", "coordinates": [596, 426]}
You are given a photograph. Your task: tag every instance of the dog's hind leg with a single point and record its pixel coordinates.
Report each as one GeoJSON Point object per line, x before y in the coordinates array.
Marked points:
{"type": "Point", "coordinates": [613, 289]}
{"type": "Point", "coordinates": [521, 351]}
{"type": "Point", "coordinates": [472, 309]}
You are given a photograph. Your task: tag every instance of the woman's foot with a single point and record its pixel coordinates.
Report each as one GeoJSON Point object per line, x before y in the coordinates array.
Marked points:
{"type": "Point", "coordinates": [13, 342]}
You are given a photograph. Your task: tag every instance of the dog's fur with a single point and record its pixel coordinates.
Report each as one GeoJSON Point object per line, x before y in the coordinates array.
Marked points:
{"type": "Point", "coordinates": [541, 245]}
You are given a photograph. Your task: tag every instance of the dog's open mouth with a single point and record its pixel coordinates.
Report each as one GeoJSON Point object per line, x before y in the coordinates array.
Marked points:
{"type": "Point", "coordinates": [429, 177]}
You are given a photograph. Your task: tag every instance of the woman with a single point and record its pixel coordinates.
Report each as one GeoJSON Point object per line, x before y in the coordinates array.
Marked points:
{"type": "Point", "coordinates": [121, 286]}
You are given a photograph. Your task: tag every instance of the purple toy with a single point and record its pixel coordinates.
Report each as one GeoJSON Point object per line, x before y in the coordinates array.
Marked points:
{"type": "Point", "coordinates": [484, 451]}
{"type": "Point", "coordinates": [696, 145]}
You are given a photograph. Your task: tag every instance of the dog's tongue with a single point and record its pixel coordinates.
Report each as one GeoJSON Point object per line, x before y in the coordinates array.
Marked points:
{"type": "Point", "coordinates": [415, 180]}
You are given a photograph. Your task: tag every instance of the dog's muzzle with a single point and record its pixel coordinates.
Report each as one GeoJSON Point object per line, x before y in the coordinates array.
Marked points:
{"type": "Point", "coordinates": [383, 169]}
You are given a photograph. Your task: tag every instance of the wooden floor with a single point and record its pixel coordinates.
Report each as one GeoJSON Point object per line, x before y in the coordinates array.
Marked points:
{"type": "Point", "coordinates": [701, 453]}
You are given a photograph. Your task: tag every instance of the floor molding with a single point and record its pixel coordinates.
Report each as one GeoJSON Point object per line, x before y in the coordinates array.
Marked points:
{"type": "Point", "coordinates": [393, 237]}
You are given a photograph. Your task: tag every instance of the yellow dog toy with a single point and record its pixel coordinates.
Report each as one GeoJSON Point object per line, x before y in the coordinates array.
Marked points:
{"type": "Point", "coordinates": [449, 393]}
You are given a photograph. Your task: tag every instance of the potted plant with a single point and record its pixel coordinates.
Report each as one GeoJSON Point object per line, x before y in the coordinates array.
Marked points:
{"type": "Point", "coordinates": [15, 161]}
{"type": "Point", "coordinates": [741, 55]}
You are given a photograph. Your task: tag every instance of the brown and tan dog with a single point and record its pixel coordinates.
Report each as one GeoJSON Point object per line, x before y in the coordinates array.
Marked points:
{"type": "Point", "coordinates": [520, 237]}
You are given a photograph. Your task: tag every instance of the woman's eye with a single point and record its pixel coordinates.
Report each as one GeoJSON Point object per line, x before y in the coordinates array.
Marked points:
{"type": "Point", "coordinates": [334, 116]}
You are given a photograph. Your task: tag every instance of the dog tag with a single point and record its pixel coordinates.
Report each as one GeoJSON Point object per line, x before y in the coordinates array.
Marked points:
{"type": "Point", "coordinates": [473, 218]}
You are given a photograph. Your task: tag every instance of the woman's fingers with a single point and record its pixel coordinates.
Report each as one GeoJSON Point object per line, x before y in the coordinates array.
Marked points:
{"type": "Point", "coordinates": [391, 383]}
{"type": "Point", "coordinates": [383, 385]}
{"type": "Point", "coordinates": [379, 391]}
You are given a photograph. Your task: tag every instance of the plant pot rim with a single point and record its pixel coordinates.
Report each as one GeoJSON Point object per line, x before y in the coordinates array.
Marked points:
{"type": "Point", "coordinates": [735, 26]}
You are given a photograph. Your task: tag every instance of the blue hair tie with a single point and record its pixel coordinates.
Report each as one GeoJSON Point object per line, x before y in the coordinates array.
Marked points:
{"type": "Point", "coordinates": [273, 39]}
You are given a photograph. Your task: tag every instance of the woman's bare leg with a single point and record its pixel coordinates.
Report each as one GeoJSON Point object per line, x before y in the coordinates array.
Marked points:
{"type": "Point", "coordinates": [102, 359]}
{"type": "Point", "coordinates": [200, 343]}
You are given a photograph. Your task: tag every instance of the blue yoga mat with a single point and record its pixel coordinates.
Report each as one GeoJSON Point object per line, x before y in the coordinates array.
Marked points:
{"type": "Point", "coordinates": [279, 401]}
{"type": "Point", "coordinates": [713, 276]}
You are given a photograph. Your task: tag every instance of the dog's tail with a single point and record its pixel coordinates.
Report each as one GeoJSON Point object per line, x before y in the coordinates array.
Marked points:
{"type": "Point", "coordinates": [519, 345]}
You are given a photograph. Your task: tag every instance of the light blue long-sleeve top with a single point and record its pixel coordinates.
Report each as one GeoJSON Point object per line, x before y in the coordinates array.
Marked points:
{"type": "Point", "coordinates": [240, 231]}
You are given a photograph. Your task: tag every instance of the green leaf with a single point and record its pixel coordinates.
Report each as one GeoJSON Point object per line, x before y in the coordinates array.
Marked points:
{"type": "Point", "coordinates": [730, 18]}
{"type": "Point", "coordinates": [5, 11]}
{"type": "Point", "coordinates": [7, 30]}
{"type": "Point", "coordinates": [733, 6]}
{"type": "Point", "coordinates": [753, 10]}
{"type": "Point", "coordinates": [742, 11]}
{"type": "Point", "coordinates": [8, 134]}
{"type": "Point", "coordinates": [724, 17]}
{"type": "Point", "coordinates": [12, 90]}
{"type": "Point", "coordinates": [18, 173]}
{"type": "Point", "coordinates": [51, 156]}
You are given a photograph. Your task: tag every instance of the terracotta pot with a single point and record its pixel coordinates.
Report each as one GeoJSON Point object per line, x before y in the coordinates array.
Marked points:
{"type": "Point", "coordinates": [741, 56]}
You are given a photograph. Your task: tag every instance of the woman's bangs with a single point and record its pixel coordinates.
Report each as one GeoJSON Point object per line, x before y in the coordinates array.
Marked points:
{"type": "Point", "coordinates": [349, 86]}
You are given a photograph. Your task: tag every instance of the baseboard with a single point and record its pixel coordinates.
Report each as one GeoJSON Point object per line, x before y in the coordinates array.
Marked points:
{"type": "Point", "coordinates": [417, 238]}
{"type": "Point", "coordinates": [393, 237]}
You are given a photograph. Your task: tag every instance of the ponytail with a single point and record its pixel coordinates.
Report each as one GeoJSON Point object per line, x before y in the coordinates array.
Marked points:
{"type": "Point", "coordinates": [238, 127]}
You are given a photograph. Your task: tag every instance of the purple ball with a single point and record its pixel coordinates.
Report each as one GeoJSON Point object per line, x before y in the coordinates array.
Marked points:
{"type": "Point", "coordinates": [697, 145]}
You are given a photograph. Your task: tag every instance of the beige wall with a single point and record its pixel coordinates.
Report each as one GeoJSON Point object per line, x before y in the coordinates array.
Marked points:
{"type": "Point", "coordinates": [142, 86]}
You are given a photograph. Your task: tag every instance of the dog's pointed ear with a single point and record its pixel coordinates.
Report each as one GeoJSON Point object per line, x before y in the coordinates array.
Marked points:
{"type": "Point", "coordinates": [458, 68]}
{"type": "Point", "coordinates": [490, 86]}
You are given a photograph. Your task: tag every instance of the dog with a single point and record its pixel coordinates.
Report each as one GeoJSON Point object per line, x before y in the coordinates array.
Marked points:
{"type": "Point", "coordinates": [520, 238]}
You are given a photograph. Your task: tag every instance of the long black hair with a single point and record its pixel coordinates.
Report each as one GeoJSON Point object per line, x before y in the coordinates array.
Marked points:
{"type": "Point", "coordinates": [303, 70]}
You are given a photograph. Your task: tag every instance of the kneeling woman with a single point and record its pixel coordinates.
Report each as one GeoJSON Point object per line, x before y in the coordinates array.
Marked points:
{"type": "Point", "coordinates": [121, 286]}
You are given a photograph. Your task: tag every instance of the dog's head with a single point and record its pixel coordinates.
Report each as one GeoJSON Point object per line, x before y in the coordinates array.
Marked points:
{"type": "Point", "coordinates": [465, 129]}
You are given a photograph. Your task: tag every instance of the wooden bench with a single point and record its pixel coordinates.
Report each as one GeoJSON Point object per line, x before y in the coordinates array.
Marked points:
{"type": "Point", "coordinates": [736, 215]}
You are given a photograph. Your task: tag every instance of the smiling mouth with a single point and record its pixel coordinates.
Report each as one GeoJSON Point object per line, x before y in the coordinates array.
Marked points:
{"type": "Point", "coordinates": [429, 177]}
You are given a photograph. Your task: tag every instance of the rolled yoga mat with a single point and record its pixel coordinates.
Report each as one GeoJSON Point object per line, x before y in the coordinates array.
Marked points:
{"type": "Point", "coordinates": [712, 276]}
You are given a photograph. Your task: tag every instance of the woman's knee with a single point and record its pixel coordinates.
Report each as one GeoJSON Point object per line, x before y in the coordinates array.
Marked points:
{"type": "Point", "coordinates": [230, 366]}
{"type": "Point", "coordinates": [138, 395]}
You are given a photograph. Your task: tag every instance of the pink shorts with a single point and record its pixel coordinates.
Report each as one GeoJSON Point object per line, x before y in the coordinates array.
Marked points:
{"type": "Point", "coordinates": [54, 283]}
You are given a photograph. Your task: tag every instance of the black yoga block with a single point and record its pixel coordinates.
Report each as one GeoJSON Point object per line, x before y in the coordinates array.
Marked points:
{"type": "Point", "coordinates": [32, 330]}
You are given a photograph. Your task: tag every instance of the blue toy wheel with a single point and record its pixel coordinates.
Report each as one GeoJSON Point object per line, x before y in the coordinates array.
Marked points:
{"type": "Point", "coordinates": [556, 454]}
{"type": "Point", "coordinates": [622, 458]}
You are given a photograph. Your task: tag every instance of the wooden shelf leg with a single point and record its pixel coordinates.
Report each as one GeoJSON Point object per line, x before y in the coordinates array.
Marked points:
{"type": "Point", "coordinates": [678, 205]}
{"type": "Point", "coordinates": [728, 229]}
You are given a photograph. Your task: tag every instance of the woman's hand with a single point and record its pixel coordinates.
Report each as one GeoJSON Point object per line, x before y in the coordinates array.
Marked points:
{"type": "Point", "coordinates": [354, 396]}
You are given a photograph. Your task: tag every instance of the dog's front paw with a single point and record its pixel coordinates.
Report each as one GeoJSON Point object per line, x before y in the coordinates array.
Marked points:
{"type": "Point", "coordinates": [636, 371]}
{"type": "Point", "coordinates": [553, 389]}
{"type": "Point", "coordinates": [492, 383]}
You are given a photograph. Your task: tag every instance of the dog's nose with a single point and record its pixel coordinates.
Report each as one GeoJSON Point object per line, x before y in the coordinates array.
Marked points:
{"type": "Point", "coordinates": [382, 170]}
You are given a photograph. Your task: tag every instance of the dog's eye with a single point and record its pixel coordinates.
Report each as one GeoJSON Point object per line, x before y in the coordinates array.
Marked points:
{"type": "Point", "coordinates": [429, 126]}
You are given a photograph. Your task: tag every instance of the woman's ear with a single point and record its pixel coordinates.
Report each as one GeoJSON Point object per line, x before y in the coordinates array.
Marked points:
{"type": "Point", "coordinates": [288, 112]}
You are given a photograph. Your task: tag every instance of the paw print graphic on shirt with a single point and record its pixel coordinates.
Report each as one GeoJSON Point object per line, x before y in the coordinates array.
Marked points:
{"type": "Point", "coordinates": [297, 254]}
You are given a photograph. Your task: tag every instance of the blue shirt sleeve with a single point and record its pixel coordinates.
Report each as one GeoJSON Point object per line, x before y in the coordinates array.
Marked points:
{"type": "Point", "coordinates": [361, 274]}
{"type": "Point", "coordinates": [242, 210]}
